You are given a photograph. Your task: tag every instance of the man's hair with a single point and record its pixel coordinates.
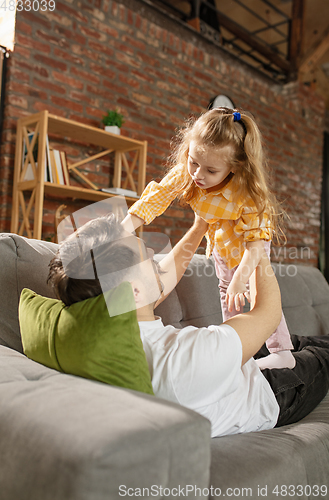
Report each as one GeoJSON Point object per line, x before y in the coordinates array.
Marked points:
{"type": "Point", "coordinates": [95, 250]}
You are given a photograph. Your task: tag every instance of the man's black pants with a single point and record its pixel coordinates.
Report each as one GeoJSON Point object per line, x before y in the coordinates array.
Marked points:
{"type": "Point", "coordinates": [300, 390]}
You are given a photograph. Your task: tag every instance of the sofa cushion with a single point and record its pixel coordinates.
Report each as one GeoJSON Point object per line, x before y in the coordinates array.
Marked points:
{"type": "Point", "coordinates": [289, 461]}
{"type": "Point", "coordinates": [24, 263]}
{"type": "Point", "coordinates": [88, 338]}
{"type": "Point", "coordinates": [69, 438]}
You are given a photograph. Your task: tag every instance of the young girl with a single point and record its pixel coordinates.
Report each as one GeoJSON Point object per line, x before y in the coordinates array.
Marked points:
{"type": "Point", "coordinates": [219, 170]}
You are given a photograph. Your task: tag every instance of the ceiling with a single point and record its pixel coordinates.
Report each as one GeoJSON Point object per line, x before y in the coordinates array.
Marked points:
{"type": "Point", "coordinates": [286, 39]}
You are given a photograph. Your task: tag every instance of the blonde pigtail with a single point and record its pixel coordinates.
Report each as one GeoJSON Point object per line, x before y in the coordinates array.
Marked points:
{"type": "Point", "coordinates": [256, 179]}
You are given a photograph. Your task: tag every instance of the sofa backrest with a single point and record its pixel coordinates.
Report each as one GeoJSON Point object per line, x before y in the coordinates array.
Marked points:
{"type": "Point", "coordinates": [23, 263]}
{"type": "Point", "coordinates": [195, 301]}
{"type": "Point", "coordinates": [305, 299]}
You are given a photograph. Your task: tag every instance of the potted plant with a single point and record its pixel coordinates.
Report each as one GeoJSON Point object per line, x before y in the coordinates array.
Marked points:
{"type": "Point", "coordinates": [113, 121]}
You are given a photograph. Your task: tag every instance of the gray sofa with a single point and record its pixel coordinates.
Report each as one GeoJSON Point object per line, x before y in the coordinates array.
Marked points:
{"type": "Point", "coordinates": [67, 438]}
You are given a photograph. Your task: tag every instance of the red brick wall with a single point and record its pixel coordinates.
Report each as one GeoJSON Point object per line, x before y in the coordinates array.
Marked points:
{"type": "Point", "coordinates": [77, 62]}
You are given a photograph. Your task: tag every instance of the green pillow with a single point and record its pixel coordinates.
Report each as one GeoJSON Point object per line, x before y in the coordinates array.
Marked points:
{"type": "Point", "coordinates": [84, 339]}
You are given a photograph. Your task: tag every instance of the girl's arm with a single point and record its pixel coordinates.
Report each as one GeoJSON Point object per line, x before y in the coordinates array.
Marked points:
{"type": "Point", "coordinates": [237, 289]}
{"type": "Point", "coordinates": [154, 200]}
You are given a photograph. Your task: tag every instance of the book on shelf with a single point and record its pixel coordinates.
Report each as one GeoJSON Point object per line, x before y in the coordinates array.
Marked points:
{"type": "Point", "coordinates": [59, 168]}
{"type": "Point", "coordinates": [58, 165]}
{"type": "Point", "coordinates": [64, 168]}
{"type": "Point", "coordinates": [124, 192]}
{"type": "Point", "coordinates": [49, 176]}
{"type": "Point", "coordinates": [53, 167]}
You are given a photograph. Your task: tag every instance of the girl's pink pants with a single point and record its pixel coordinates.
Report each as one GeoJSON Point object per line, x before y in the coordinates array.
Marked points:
{"type": "Point", "coordinates": [280, 339]}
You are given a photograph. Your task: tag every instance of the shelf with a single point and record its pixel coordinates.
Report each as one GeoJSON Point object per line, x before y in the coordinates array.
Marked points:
{"type": "Point", "coordinates": [74, 192]}
{"type": "Point", "coordinates": [45, 124]}
{"type": "Point", "coordinates": [80, 193]}
{"type": "Point", "coordinates": [90, 135]}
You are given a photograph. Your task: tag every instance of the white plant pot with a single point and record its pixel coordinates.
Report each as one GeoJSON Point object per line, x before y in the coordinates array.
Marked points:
{"type": "Point", "coordinates": [113, 129]}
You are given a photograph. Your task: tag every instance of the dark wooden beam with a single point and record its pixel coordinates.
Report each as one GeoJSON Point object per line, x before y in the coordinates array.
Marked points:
{"type": "Point", "coordinates": [255, 44]}
{"type": "Point", "coordinates": [296, 36]}
{"type": "Point", "coordinates": [195, 9]}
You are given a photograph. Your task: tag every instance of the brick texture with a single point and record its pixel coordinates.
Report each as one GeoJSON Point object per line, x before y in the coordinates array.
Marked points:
{"type": "Point", "coordinates": [79, 61]}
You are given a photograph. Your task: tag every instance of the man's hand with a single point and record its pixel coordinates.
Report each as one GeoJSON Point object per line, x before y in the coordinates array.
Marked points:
{"type": "Point", "coordinates": [236, 293]}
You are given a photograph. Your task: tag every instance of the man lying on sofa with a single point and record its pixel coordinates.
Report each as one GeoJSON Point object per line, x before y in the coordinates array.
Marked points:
{"type": "Point", "coordinates": [210, 370]}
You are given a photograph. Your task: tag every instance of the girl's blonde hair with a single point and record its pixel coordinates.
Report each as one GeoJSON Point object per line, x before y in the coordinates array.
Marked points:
{"type": "Point", "coordinates": [219, 127]}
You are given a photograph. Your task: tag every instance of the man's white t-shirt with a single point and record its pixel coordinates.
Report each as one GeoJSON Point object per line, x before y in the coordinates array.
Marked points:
{"type": "Point", "coordinates": [200, 368]}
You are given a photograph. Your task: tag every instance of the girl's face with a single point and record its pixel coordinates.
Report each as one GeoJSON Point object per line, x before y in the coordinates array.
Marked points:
{"type": "Point", "coordinates": [208, 166]}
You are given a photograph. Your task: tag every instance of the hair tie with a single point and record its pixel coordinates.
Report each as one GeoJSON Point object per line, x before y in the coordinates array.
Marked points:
{"type": "Point", "coordinates": [237, 116]}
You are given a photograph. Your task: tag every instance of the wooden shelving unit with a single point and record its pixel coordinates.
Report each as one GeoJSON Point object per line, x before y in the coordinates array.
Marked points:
{"type": "Point", "coordinates": [43, 125]}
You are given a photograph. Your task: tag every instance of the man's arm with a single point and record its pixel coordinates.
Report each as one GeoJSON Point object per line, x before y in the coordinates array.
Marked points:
{"type": "Point", "coordinates": [132, 222]}
{"type": "Point", "coordinates": [175, 263]}
{"type": "Point", "coordinates": [256, 326]}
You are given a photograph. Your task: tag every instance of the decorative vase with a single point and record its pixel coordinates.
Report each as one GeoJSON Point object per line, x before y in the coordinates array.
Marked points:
{"type": "Point", "coordinates": [113, 129]}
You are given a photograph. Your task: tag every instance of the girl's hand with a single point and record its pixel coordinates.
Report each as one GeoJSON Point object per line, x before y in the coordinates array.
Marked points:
{"type": "Point", "coordinates": [236, 293]}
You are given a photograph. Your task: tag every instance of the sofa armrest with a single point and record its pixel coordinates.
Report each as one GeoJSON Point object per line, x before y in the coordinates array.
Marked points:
{"type": "Point", "coordinates": [24, 264]}
{"type": "Point", "coordinates": [67, 437]}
